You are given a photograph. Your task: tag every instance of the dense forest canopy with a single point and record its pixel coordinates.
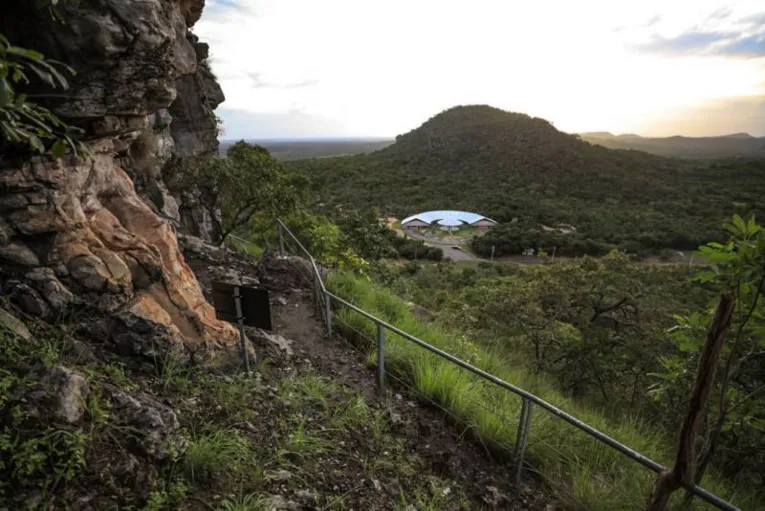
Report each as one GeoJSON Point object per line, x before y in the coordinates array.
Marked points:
{"type": "Point", "coordinates": [507, 165]}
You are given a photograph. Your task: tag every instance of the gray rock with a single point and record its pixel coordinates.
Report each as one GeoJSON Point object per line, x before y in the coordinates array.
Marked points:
{"type": "Point", "coordinates": [194, 129]}
{"type": "Point", "coordinates": [18, 254]}
{"type": "Point", "coordinates": [277, 340]}
{"type": "Point", "coordinates": [135, 51]}
{"type": "Point", "coordinates": [280, 476]}
{"type": "Point", "coordinates": [307, 497]}
{"type": "Point", "coordinates": [198, 245]}
{"type": "Point", "coordinates": [11, 323]}
{"type": "Point", "coordinates": [279, 503]}
{"type": "Point", "coordinates": [156, 424]}
{"type": "Point", "coordinates": [29, 300]}
{"type": "Point", "coordinates": [196, 218]}
{"type": "Point", "coordinates": [47, 284]}
{"type": "Point", "coordinates": [6, 232]}
{"type": "Point", "coordinates": [71, 391]}
{"type": "Point", "coordinates": [83, 352]}
{"type": "Point", "coordinates": [89, 271]}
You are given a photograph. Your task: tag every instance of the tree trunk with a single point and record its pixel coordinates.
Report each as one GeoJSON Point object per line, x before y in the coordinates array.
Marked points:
{"type": "Point", "coordinates": [682, 473]}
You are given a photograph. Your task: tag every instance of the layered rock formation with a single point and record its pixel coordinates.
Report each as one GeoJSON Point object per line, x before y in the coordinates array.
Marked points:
{"type": "Point", "coordinates": [194, 131]}
{"type": "Point", "coordinates": [98, 231]}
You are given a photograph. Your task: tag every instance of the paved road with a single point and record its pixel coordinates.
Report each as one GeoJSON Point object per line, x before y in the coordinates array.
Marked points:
{"type": "Point", "coordinates": [456, 255]}
{"type": "Point", "coordinates": [449, 252]}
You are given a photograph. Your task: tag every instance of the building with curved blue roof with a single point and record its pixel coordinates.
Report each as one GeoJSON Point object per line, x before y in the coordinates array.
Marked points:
{"type": "Point", "coordinates": [447, 218]}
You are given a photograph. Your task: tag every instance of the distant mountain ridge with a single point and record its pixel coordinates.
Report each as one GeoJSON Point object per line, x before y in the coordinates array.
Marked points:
{"type": "Point", "coordinates": [507, 165]}
{"type": "Point", "coordinates": [300, 148]}
{"type": "Point", "coordinates": [678, 146]}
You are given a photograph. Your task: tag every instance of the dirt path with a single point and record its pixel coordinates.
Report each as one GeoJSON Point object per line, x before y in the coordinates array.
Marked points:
{"type": "Point", "coordinates": [423, 430]}
{"type": "Point", "coordinates": [427, 432]}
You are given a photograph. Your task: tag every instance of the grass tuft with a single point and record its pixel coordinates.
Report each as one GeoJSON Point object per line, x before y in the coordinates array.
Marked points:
{"type": "Point", "coordinates": [217, 453]}
{"type": "Point", "coordinates": [249, 502]}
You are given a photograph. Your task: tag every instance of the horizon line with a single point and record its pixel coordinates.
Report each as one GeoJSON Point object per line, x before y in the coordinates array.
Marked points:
{"type": "Point", "coordinates": [393, 138]}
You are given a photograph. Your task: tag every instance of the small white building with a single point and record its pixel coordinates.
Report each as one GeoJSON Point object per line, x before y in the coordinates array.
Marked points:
{"type": "Point", "coordinates": [414, 224]}
{"type": "Point", "coordinates": [483, 224]}
{"type": "Point", "coordinates": [447, 220]}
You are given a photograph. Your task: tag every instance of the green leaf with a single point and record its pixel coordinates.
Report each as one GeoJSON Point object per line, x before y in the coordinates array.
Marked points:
{"type": "Point", "coordinates": [751, 227]}
{"type": "Point", "coordinates": [26, 53]}
{"type": "Point", "coordinates": [50, 74]}
{"type": "Point", "coordinates": [36, 144]}
{"type": "Point", "coordinates": [43, 75]}
{"type": "Point", "coordinates": [739, 223]}
{"type": "Point", "coordinates": [688, 344]}
{"type": "Point", "coordinates": [5, 93]}
{"type": "Point", "coordinates": [58, 149]}
{"type": "Point", "coordinates": [705, 276]}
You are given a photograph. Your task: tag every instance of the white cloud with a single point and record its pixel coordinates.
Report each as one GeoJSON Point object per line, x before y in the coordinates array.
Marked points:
{"type": "Point", "coordinates": [382, 68]}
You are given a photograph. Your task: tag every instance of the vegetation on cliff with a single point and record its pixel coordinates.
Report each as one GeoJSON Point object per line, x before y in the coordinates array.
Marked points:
{"type": "Point", "coordinates": [22, 121]}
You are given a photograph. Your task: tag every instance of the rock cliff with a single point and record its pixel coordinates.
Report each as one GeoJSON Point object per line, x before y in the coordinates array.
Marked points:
{"type": "Point", "coordinates": [97, 233]}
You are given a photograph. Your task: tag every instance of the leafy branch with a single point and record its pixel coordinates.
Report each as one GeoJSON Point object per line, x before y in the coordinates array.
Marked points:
{"type": "Point", "coordinates": [27, 123]}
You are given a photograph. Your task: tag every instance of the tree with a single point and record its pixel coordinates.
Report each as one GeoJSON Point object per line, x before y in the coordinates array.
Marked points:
{"type": "Point", "coordinates": [248, 183]}
{"type": "Point", "coordinates": [23, 122]}
{"type": "Point", "coordinates": [726, 402]}
{"type": "Point", "coordinates": [364, 233]}
{"type": "Point", "coordinates": [683, 473]}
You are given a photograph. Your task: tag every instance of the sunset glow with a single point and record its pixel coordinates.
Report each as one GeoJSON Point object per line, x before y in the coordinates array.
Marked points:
{"type": "Point", "coordinates": [349, 68]}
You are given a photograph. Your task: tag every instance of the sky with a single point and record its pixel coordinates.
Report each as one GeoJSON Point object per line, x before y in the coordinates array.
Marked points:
{"type": "Point", "coordinates": [372, 68]}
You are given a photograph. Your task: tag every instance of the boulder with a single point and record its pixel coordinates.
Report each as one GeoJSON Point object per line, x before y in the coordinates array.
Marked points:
{"type": "Point", "coordinates": [45, 282]}
{"type": "Point", "coordinates": [156, 425]}
{"type": "Point", "coordinates": [70, 391]}
{"type": "Point", "coordinates": [279, 503]}
{"type": "Point", "coordinates": [280, 343]}
{"type": "Point", "coordinates": [284, 273]}
{"type": "Point", "coordinates": [10, 323]}
{"type": "Point", "coordinates": [16, 253]}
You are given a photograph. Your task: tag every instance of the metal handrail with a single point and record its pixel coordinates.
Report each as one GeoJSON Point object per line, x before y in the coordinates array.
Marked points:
{"type": "Point", "coordinates": [527, 396]}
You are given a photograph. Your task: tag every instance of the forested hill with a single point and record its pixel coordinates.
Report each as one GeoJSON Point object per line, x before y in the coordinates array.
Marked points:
{"type": "Point", "coordinates": [733, 145]}
{"type": "Point", "coordinates": [509, 165]}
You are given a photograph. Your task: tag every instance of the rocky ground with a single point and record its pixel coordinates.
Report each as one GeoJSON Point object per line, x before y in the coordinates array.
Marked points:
{"type": "Point", "coordinates": [84, 428]}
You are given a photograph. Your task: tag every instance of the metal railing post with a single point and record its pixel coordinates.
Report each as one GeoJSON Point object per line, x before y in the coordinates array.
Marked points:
{"type": "Point", "coordinates": [328, 310]}
{"type": "Point", "coordinates": [316, 294]}
{"type": "Point", "coordinates": [281, 239]}
{"type": "Point", "coordinates": [519, 434]}
{"type": "Point", "coordinates": [524, 424]}
{"type": "Point", "coordinates": [240, 324]}
{"type": "Point", "coordinates": [380, 358]}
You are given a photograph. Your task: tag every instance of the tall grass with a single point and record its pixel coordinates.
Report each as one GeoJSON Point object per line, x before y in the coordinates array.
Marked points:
{"type": "Point", "coordinates": [216, 453]}
{"type": "Point", "coordinates": [582, 471]}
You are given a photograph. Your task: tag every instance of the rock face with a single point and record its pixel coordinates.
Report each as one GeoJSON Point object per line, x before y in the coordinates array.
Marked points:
{"type": "Point", "coordinates": [194, 131]}
{"type": "Point", "coordinates": [99, 230]}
